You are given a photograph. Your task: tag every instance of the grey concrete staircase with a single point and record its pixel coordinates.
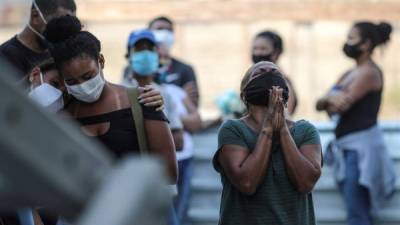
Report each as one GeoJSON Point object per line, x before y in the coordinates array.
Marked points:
{"type": "Point", "coordinates": [329, 206]}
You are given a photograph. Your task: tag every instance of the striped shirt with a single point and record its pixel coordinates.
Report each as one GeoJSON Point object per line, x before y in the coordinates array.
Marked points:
{"type": "Point", "coordinates": [276, 201]}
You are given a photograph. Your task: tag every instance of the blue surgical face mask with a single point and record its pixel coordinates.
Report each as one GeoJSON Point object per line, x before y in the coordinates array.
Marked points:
{"type": "Point", "coordinates": [144, 63]}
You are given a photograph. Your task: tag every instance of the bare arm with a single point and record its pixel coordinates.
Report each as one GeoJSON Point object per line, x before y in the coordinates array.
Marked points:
{"type": "Point", "coordinates": [163, 146]}
{"type": "Point", "coordinates": [177, 134]}
{"type": "Point", "coordinates": [364, 81]}
{"type": "Point", "coordinates": [303, 165]}
{"type": "Point", "coordinates": [246, 169]}
{"type": "Point", "coordinates": [192, 121]}
{"type": "Point", "coordinates": [36, 218]}
{"type": "Point", "coordinates": [193, 92]}
{"type": "Point", "coordinates": [292, 101]}
{"type": "Point", "coordinates": [323, 102]}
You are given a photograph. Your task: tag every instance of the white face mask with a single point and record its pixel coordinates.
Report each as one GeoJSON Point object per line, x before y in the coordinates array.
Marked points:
{"type": "Point", "coordinates": [165, 37]}
{"type": "Point", "coordinates": [47, 96]}
{"type": "Point", "coordinates": [88, 91]}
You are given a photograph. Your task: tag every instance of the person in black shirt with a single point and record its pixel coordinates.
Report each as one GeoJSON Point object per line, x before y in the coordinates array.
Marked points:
{"type": "Point", "coordinates": [172, 70]}
{"type": "Point", "coordinates": [29, 48]}
{"type": "Point", "coordinates": [102, 108]}
{"type": "Point", "coordinates": [268, 46]}
{"type": "Point", "coordinates": [353, 103]}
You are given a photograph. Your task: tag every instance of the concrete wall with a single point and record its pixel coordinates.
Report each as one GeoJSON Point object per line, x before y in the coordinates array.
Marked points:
{"type": "Point", "coordinates": [215, 36]}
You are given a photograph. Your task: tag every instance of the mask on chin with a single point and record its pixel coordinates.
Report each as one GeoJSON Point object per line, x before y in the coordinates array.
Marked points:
{"type": "Point", "coordinates": [259, 58]}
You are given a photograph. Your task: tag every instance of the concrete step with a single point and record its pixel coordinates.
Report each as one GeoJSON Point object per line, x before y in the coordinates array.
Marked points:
{"type": "Point", "coordinates": [206, 142]}
{"type": "Point", "coordinates": [330, 210]}
{"type": "Point", "coordinates": [207, 194]}
{"type": "Point", "coordinates": [335, 216]}
{"type": "Point", "coordinates": [206, 151]}
{"type": "Point", "coordinates": [214, 185]}
{"type": "Point", "coordinates": [205, 169]}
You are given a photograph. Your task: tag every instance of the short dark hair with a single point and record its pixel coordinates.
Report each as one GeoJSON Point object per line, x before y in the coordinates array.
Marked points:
{"type": "Point", "coordinates": [274, 37]}
{"type": "Point", "coordinates": [161, 18]}
{"type": "Point", "coordinates": [378, 34]}
{"type": "Point", "coordinates": [47, 65]}
{"type": "Point", "coordinates": [49, 7]}
{"type": "Point", "coordinates": [68, 41]}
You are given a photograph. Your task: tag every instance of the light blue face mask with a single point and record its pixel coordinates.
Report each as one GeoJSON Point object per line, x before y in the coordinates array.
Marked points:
{"type": "Point", "coordinates": [144, 63]}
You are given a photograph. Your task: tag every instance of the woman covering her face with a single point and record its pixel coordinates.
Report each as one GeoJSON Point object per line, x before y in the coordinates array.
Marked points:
{"type": "Point", "coordinates": [268, 164]}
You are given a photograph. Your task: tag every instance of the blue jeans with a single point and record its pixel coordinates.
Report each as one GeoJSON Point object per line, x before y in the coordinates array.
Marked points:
{"type": "Point", "coordinates": [26, 216]}
{"type": "Point", "coordinates": [172, 217]}
{"type": "Point", "coordinates": [181, 202]}
{"type": "Point", "coordinates": [355, 196]}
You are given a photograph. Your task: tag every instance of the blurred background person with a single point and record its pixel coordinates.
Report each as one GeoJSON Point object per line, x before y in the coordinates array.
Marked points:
{"type": "Point", "coordinates": [143, 62]}
{"type": "Point", "coordinates": [172, 70]}
{"type": "Point", "coordinates": [363, 170]}
{"type": "Point", "coordinates": [143, 59]}
{"type": "Point", "coordinates": [29, 48]}
{"type": "Point", "coordinates": [268, 46]}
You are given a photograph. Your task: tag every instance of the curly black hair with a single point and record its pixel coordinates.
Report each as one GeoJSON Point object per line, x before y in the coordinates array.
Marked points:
{"type": "Point", "coordinates": [161, 18]}
{"type": "Point", "coordinates": [68, 41]}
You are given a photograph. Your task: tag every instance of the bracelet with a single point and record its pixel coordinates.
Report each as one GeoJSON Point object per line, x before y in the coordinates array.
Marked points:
{"type": "Point", "coordinates": [267, 132]}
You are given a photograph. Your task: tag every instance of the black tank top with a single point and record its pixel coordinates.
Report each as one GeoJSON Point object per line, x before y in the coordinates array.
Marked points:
{"type": "Point", "coordinates": [362, 115]}
{"type": "Point", "coordinates": [121, 137]}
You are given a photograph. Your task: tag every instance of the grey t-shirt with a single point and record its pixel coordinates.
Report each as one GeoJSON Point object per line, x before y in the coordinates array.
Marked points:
{"type": "Point", "coordinates": [276, 201]}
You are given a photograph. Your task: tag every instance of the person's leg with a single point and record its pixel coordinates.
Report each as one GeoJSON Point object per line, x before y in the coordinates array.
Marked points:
{"type": "Point", "coordinates": [182, 200]}
{"type": "Point", "coordinates": [172, 217]}
{"type": "Point", "coordinates": [356, 196]}
{"type": "Point", "coordinates": [26, 216]}
{"type": "Point", "coordinates": [36, 218]}
{"type": "Point", "coordinates": [10, 218]}
{"type": "Point", "coordinates": [48, 217]}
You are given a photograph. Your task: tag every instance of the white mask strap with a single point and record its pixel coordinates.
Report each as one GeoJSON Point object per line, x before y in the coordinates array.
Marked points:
{"type": "Point", "coordinates": [41, 78]}
{"type": "Point", "coordinates": [40, 12]}
{"type": "Point", "coordinates": [36, 32]}
{"type": "Point", "coordinates": [100, 69]}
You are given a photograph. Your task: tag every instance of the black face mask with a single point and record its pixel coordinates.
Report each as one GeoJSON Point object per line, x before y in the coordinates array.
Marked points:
{"type": "Point", "coordinates": [352, 51]}
{"type": "Point", "coordinates": [257, 91]}
{"type": "Point", "coordinates": [259, 58]}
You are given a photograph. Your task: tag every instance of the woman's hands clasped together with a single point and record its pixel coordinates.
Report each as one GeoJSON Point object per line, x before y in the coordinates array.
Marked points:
{"type": "Point", "coordinates": [275, 119]}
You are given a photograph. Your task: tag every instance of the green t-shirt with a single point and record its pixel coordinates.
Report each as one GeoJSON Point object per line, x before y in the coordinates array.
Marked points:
{"type": "Point", "coordinates": [276, 201]}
